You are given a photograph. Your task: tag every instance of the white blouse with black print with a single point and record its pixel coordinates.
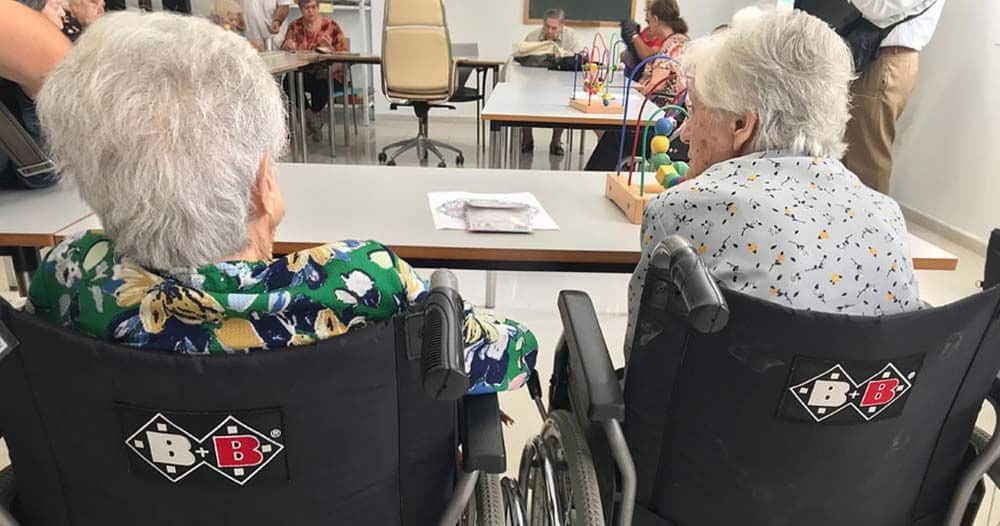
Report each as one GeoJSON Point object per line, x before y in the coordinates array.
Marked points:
{"type": "Point", "coordinates": [799, 231]}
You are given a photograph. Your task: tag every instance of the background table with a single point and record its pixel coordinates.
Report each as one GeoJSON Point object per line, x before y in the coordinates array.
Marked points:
{"type": "Point", "coordinates": [30, 219]}
{"type": "Point", "coordinates": [539, 98]}
{"type": "Point", "coordinates": [330, 202]}
{"type": "Point", "coordinates": [288, 62]}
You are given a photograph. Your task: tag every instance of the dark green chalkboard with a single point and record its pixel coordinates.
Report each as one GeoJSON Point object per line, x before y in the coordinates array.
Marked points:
{"type": "Point", "coordinates": [583, 12]}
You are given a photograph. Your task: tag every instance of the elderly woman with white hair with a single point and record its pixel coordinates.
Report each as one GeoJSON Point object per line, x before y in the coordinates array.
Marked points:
{"type": "Point", "coordinates": [771, 209]}
{"type": "Point", "coordinates": [181, 173]}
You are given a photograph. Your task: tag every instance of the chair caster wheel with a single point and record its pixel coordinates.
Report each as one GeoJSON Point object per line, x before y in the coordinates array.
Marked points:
{"type": "Point", "coordinates": [391, 163]}
{"type": "Point", "coordinates": [442, 165]}
{"type": "Point", "coordinates": [459, 161]}
{"type": "Point", "coordinates": [382, 157]}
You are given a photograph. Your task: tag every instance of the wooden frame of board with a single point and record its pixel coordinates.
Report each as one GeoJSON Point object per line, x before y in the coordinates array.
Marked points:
{"type": "Point", "coordinates": [573, 23]}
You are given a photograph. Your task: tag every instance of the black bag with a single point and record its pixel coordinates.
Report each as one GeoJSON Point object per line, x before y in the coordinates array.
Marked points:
{"type": "Point", "coordinates": [571, 63]}
{"type": "Point", "coordinates": [862, 37]}
{"type": "Point", "coordinates": [536, 61]}
{"type": "Point", "coordinates": [991, 276]}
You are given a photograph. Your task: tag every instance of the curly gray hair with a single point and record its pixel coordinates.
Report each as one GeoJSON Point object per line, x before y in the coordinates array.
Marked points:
{"type": "Point", "coordinates": [787, 67]}
{"type": "Point", "coordinates": [162, 121]}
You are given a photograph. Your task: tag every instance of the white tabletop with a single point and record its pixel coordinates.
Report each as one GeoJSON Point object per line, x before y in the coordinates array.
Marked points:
{"type": "Point", "coordinates": [389, 204]}
{"type": "Point", "coordinates": [31, 218]}
{"type": "Point", "coordinates": [538, 95]}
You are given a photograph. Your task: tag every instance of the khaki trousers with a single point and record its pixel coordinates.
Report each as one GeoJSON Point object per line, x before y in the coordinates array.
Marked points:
{"type": "Point", "coordinates": [878, 99]}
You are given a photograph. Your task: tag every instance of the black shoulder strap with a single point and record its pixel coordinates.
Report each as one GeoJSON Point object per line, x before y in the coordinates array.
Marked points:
{"type": "Point", "coordinates": [21, 147]}
{"type": "Point", "coordinates": [841, 14]}
{"type": "Point", "coordinates": [7, 340]}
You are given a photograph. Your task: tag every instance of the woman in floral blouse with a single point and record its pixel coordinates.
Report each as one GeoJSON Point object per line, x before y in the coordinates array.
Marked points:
{"type": "Point", "coordinates": [190, 218]}
{"type": "Point", "coordinates": [308, 33]}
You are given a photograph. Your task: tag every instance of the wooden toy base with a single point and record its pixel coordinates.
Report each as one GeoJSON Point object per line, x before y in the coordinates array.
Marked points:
{"type": "Point", "coordinates": [617, 189]}
{"type": "Point", "coordinates": [596, 105]}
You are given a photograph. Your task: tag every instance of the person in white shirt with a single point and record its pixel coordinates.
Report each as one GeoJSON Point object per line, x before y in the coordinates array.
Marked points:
{"type": "Point", "coordinates": [879, 95]}
{"type": "Point", "coordinates": [265, 22]}
{"type": "Point", "coordinates": [553, 29]}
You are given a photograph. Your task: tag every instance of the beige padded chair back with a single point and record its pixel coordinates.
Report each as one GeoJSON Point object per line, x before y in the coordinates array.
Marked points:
{"type": "Point", "coordinates": [416, 51]}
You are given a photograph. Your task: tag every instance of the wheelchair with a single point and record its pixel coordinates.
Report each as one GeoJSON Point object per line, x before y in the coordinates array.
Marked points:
{"type": "Point", "coordinates": [364, 428]}
{"type": "Point", "coordinates": [734, 410]}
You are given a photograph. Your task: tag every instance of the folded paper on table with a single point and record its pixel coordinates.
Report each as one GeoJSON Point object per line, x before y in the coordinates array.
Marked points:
{"type": "Point", "coordinates": [448, 208]}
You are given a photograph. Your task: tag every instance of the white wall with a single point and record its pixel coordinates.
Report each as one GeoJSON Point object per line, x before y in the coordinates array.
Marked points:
{"type": "Point", "coordinates": [947, 157]}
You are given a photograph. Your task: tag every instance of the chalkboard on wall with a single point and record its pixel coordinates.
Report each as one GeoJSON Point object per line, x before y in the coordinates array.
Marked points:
{"type": "Point", "coordinates": [582, 12]}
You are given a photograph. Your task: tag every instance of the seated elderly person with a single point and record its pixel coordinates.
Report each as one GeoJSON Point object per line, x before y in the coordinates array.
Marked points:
{"type": "Point", "coordinates": [80, 14]}
{"type": "Point", "coordinates": [771, 209]}
{"type": "Point", "coordinates": [315, 31]}
{"type": "Point", "coordinates": [553, 30]}
{"type": "Point", "coordinates": [181, 174]}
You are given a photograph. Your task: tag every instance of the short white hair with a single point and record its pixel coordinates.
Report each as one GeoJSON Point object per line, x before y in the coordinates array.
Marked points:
{"type": "Point", "coordinates": [162, 121]}
{"type": "Point", "coordinates": [787, 67]}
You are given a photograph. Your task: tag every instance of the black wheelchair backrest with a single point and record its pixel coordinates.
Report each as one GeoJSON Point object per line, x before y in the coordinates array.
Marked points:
{"type": "Point", "coordinates": [796, 417]}
{"type": "Point", "coordinates": [337, 432]}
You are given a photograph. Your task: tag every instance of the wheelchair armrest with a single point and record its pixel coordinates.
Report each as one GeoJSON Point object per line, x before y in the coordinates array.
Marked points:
{"type": "Point", "coordinates": [705, 307]}
{"type": "Point", "coordinates": [442, 354]}
{"type": "Point", "coordinates": [590, 363]}
{"type": "Point", "coordinates": [481, 435]}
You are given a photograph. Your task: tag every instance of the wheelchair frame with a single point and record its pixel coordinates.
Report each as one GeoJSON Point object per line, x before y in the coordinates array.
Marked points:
{"type": "Point", "coordinates": [597, 395]}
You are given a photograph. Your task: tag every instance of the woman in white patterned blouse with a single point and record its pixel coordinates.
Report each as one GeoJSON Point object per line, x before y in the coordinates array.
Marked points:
{"type": "Point", "coordinates": [771, 209]}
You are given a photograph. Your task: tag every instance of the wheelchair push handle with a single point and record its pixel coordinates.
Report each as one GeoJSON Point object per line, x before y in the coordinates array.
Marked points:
{"type": "Point", "coordinates": [442, 360]}
{"type": "Point", "coordinates": [706, 308]}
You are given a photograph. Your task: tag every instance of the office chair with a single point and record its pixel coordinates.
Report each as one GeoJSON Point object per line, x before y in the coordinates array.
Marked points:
{"type": "Point", "coordinates": [363, 428]}
{"type": "Point", "coordinates": [417, 71]}
{"type": "Point", "coordinates": [737, 410]}
{"type": "Point", "coordinates": [464, 93]}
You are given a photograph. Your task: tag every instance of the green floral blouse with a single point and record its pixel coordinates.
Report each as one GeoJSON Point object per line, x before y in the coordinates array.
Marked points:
{"type": "Point", "coordinates": [239, 306]}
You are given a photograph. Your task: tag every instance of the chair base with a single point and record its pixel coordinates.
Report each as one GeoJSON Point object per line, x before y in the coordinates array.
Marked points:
{"type": "Point", "coordinates": [422, 143]}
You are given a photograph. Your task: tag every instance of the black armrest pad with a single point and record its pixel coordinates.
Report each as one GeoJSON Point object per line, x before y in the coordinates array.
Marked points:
{"type": "Point", "coordinates": [590, 364]}
{"type": "Point", "coordinates": [994, 393]}
{"type": "Point", "coordinates": [991, 275]}
{"type": "Point", "coordinates": [482, 438]}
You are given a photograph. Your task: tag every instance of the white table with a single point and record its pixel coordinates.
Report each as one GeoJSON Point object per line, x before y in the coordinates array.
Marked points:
{"type": "Point", "coordinates": [30, 219]}
{"type": "Point", "coordinates": [539, 98]}
{"type": "Point", "coordinates": [331, 202]}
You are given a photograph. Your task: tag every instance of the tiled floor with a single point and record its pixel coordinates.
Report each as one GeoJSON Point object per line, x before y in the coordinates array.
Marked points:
{"type": "Point", "coordinates": [531, 297]}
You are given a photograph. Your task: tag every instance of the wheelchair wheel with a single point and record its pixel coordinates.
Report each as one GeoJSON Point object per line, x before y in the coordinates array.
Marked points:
{"type": "Point", "coordinates": [576, 489]}
{"type": "Point", "coordinates": [486, 505]}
